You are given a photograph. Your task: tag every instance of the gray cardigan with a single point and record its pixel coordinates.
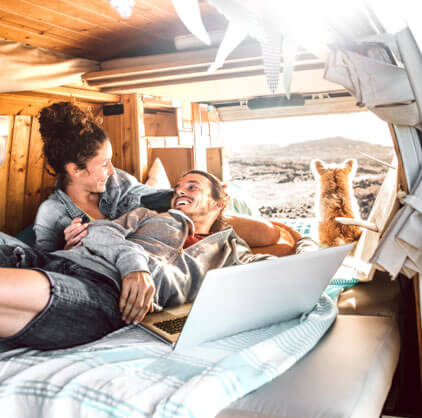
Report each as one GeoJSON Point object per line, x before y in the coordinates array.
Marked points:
{"type": "Point", "coordinates": [144, 240]}
{"type": "Point", "coordinates": [123, 193]}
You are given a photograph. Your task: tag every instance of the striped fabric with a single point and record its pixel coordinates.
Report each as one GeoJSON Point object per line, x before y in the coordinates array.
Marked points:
{"type": "Point", "coordinates": [129, 373]}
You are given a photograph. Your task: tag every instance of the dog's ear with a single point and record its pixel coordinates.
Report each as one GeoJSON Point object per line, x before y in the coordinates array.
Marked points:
{"type": "Point", "coordinates": [317, 167]}
{"type": "Point", "coordinates": [350, 165]}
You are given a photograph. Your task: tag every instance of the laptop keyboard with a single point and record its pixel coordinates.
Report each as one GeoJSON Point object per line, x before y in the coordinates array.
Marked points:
{"type": "Point", "coordinates": [172, 326]}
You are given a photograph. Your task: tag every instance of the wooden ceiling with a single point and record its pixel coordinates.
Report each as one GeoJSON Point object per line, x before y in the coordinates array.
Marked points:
{"type": "Point", "coordinates": [94, 29]}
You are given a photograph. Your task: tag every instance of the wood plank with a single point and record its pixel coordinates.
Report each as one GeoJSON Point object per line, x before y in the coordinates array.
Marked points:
{"type": "Point", "coordinates": [160, 124]}
{"type": "Point", "coordinates": [130, 139]}
{"type": "Point", "coordinates": [29, 26]}
{"type": "Point", "coordinates": [87, 95]}
{"type": "Point", "coordinates": [200, 141]}
{"type": "Point", "coordinates": [119, 32]}
{"type": "Point", "coordinates": [7, 14]}
{"type": "Point", "coordinates": [17, 174]}
{"type": "Point", "coordinates": [25, 35]}
{"type": "Point", "coordinates": [156, 71]}
{"type": "Point", "coordinates": [174, 60]}
{"type": "Point", "coordinates": [112, 125]}
{"type": "Point", "coordinates": [4, 175]}
{"type": "Point", "coordinates": [28, 104]}
{"type": "Point", "coordinates": [218, 75]}
{"type": "Point", "coordinates": [48, 16]}
{"type": "Point", "coordinates": [144, 149]}
{"type": "Point", "coordinates": [48, 181]}
{"type": "Point", "coordinates": [34, 176]}
{"type": "Point", "coordinates": [68, 14]}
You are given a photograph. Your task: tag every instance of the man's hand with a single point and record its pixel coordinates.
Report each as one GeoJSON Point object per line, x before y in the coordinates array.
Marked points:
{"type": "Point", "coordinates": [74, 233]}
{"type": "Point", "coordinates": [137, 296]}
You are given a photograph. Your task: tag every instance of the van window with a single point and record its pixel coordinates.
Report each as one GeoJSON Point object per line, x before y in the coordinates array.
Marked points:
{"type": "Point", "coordinates": [270, 159]}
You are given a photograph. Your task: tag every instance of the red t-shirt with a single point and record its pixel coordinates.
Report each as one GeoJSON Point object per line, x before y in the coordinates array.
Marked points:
{"type": "Point", "coordinates": [193, 239]}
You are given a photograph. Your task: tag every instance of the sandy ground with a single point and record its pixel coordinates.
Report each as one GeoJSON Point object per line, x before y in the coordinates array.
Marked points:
{"type": "Point", "coordinates": [280, 180]}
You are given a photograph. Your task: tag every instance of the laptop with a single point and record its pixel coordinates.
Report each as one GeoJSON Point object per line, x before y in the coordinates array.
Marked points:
{"type": "Point", "coordinates": [249, 296]}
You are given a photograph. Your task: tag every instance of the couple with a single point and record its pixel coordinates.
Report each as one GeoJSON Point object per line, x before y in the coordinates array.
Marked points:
{"type": "Point", "coordinates": [141, 262]}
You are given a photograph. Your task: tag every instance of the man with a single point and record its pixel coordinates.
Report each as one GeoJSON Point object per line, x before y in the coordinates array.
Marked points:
{"type": "Point", "coordinates": [142, 261]}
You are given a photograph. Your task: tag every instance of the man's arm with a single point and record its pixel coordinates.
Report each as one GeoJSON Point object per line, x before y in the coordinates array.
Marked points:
{"type": "Point", "coordinates": [259, 232]}
{"type": "Point", "coordinates": [108, 240]}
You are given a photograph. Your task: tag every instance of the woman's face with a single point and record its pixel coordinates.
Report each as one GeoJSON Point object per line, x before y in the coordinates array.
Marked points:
{"type": "Point", "coordinates": [93, 177]}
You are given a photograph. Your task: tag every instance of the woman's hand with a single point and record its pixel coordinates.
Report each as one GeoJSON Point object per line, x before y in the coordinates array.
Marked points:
{"type": "Point", "coordinates": [74, 233]}
{"type": "Point", "coordinates": [137, 296]}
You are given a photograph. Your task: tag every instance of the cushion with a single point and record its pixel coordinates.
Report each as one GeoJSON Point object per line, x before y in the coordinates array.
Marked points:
{"type": "Point", "coordinates": [157, 176]}
{"type": "Point", "coordinates": [348, 374]}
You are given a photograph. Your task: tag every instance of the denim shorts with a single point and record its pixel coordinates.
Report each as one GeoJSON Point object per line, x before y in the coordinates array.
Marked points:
{"type": "Point", "coordinates": [83, 307]}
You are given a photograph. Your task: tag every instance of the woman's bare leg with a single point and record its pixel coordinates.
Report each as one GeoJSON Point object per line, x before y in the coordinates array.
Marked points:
{"type": "Point", "coordinates": [23, 295]}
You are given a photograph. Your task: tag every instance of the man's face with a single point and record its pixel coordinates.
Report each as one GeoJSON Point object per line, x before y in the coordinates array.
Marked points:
{"type": "Point", "coordinates": [192, 196]}
{"type": "Point", "coordinates": [98, 169]}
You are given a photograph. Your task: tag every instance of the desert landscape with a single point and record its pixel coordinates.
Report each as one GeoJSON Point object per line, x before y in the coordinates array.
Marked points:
{"type": "Point", "coordinates": [281, 183]}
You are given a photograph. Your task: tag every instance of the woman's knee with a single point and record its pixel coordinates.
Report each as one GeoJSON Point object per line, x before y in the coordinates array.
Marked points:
{"type": "Point", "coordinates": [23, 295]}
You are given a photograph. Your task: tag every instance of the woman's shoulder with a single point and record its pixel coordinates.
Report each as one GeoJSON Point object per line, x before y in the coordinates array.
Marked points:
{"type": "Point", "coordinates": [52, 208]}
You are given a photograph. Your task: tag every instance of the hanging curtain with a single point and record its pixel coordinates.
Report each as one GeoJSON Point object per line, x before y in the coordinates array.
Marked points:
{"type": "Point", "coordinates": [24, 67]}
{"type": "Point", "coordinates": [372, 70]}
{"type": "Point", "coordinates": [383, 73]}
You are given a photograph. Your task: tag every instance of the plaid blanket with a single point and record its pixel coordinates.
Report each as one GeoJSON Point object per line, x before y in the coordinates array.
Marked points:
{"type": "Point", "coordinates": [129, 373]}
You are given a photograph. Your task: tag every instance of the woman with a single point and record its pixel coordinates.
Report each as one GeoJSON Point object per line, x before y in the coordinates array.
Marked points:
{"type": "Point", "coordinates": [142, 261]}
{"type": "Point", "coordinates": [89, 187]}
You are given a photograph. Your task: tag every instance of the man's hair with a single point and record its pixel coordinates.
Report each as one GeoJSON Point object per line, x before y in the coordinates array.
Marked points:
{"type": "Point", "coordinates": [218, 194]}
{"type": "Point", "coordinates": [69, 136]}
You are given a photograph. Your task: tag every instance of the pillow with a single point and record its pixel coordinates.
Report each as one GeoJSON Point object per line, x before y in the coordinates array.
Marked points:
{"type": "Point", "coordinates": [157, 176]}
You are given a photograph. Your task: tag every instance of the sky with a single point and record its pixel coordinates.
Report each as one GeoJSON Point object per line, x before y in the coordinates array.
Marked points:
{"type": "Point", "coordinates": [361, 126]}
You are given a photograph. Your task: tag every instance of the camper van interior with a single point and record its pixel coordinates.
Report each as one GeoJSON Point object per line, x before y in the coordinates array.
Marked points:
{"type": "Point", "coordinates": [161, 76]}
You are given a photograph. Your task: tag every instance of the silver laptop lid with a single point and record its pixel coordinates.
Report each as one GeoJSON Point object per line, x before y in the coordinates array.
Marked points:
{"type": "Point", "coordinates": [239, 298]}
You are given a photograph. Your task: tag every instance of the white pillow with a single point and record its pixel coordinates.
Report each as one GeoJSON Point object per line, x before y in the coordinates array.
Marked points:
{"type": "Point", "coordinates": [157, 176]}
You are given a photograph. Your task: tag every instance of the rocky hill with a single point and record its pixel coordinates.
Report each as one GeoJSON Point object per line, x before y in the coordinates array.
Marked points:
{"type": "Point", "coordinates": [281, 182]}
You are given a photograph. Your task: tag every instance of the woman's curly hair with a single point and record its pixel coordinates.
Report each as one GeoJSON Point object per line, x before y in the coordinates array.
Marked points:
{"type": "Point", "coordinates": [69, 136]}
{"type": "Point", "coordinates": [218, 194]}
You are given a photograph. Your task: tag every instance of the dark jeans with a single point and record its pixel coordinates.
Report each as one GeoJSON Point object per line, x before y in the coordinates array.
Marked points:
{"type": "Point", "coordinates": [83, 306]}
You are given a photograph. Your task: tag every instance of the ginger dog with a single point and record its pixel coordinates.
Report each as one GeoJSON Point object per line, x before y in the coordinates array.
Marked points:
{"type": "Point", "coordinates": [335, 198]}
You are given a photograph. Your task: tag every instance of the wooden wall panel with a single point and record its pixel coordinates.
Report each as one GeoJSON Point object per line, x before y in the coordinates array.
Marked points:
{"type": "Point", "coordinates": [161, 124]}
{"type": "Point", "coordinates": [16, 181]}
{"type": "Point", "coordinates": [123, 131]}
{"type": "Point", "coordinates": [24, 181]}
{"type": "Point", "coordinates": [130, 138]}
{"type": "Point", "coordinates": [4, 174]}
{"type": "Point", "coordinates": [34, 177]}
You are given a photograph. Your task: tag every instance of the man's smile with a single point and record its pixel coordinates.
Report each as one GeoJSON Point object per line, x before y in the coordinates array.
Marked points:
{"type": "Point", "coordinates": [182, 201]}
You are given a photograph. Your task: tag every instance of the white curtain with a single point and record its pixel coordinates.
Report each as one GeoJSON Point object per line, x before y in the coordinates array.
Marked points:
{"type": "Point", "coordinates": [383, 73]}
{"type": "Point", "coordinates": [374, 72]}
{"type": "Point", "coordinates": [27, 68]}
